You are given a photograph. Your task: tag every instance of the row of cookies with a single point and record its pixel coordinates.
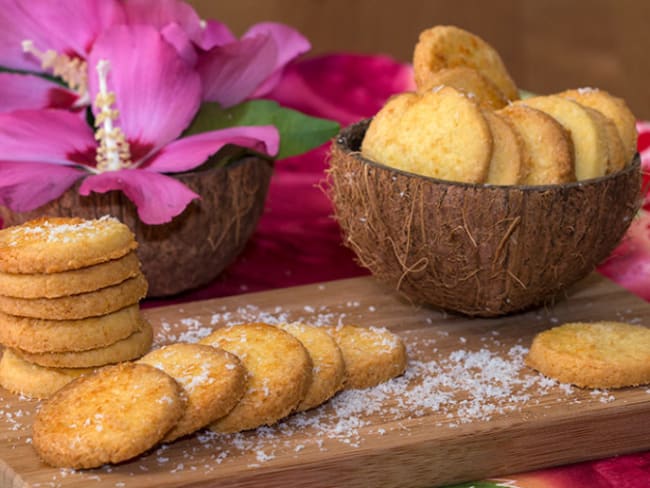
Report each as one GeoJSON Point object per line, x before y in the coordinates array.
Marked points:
{"type": "Point", "coordinates": [237, 378]}
{"type": "Point", "coordinates": [488, 135]}
{"type": "Point", "coordinates": [69, 293]}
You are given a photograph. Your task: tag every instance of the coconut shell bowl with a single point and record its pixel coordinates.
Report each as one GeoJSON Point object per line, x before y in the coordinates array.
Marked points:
{"type": "Point", "coordinates": [197, 245]}
{"type": "Point", "coordinates": [475, 249]}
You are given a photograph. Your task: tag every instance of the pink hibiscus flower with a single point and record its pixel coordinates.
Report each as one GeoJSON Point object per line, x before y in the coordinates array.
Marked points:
{"type": "Point", "coordinates": [142, 106]}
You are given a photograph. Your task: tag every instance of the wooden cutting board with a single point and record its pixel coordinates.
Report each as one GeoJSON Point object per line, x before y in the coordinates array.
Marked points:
{"type": "Point", "coordinates": [466, 409]}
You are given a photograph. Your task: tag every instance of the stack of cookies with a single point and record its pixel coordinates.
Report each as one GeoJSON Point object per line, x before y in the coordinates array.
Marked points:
{"type": "Point", "coordinates": [69, 293]}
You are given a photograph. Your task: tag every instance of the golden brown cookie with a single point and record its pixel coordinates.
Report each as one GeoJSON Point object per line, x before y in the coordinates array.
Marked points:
{"type": "Point", "coordinates": [38, 335]}
{"type": "Point", "coordinates": [471, 83]}
{"type": "Point", "coordinates": [547, 144]}
{"type": "Point", "coordinates": [54, 244]}
{"type": "Point", "coordinates": [616, 160]}
{"type": "Point", "coordinates": [371, 355]}
{"type": "Point", "coordinates": [73, 282]}
{"type": "Point", "coordinates": [446, 46]}
{"type": "Point", "coordinates": [613, 108]}
{"type": "Point", "coordinates": [214, 381]}
{"type": "Point", "coordinates": [328, 372]}
{"type": "Point", "coordinates": [126, 349]}
{"type": "Point", "coordinates": [34, 381]}
{"type": "Point", "coordinates": [508, 165]}
{"type": "Point", "coordinates": [109, 416]}
{"type": "Point", "coordinates": [593, 355]}
{"type": "Point", "coordinates": [589, 137]}
{"type": "Point", "coordinates": [279, 374]}
{"type": "Point", "coordinates": [441, 134]}
{"type": "Point", "coordinates": [71, 307]}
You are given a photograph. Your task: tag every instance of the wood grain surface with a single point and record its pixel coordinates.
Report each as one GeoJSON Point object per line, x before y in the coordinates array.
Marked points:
{"type": "Point", "coordinates": [466, 426]}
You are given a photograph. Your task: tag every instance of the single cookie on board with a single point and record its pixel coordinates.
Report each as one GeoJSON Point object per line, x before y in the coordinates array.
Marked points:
{"type": "Point", "coordinates": [371, 355]}
{"type": "Point", "coordinates": [54, 244]}
{"type": "Point", "coordinates": [548, 145]}
{"type": "Point", "coordinates": [214, 381]}
{"type": "Point", "coordinates": [613, 108]}
{"type": "Point", "coordinates": [447, 46]}
{"type": "Point", "coordinates": [593, 355]}
{"type": "Point", "coordinates": [509, 163]}
{"type": "Point", "coordinates": [84, 305]}
{"type": "Point", "coordinates": [34, 381]}
{"type": "Point", "coordinates": [72, 282]}
{"type": "Point", "coordinates": [134, 346]}
{"type": "Point", "coordinates": [588, 135]}
{"type": "Point", "coordinates": [471, 83]}
{"type": "Point", "coordinates": [109, 416]}
{"type": "Point", "coordinates": [39, 335]}
{"type": "Point", "coordinates": [328, 372]}
{"type": "Point", "coordinates": [279, 373]}
{"type": "Point", "coordinates": [441, 134]}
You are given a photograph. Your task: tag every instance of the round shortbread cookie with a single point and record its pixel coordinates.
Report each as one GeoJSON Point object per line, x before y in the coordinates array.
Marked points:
{"type": "Point", "coordinates": [109, 416]}
{"type": "Point", "coordinates": [446, 46]}
{"type": "Point", "coordinates": [84, 305]}
{"type": "Point", "coordinates": [508, 164]}
{"type": "Point", "coordinates": [214, 381]}
{"type": "Point", "coordinates": [593, 355]}
{"type": "Point", "coordinates": [134, 346]}
{"type": "Point", "coordinates": [34, 381]}
{"type": "Point", "coordinates": [54, 244]}
{"type": "Point", "coordinates": [588, 135]}
{"type": "Point", "coordinates": [39, 335]}
{"type": "Point", "coordinates": [72, 282]}
{"type": "Point", "coordinates": [371, 355]}
{"type": "Point", "coordinates": [328, 372]}
{"type": "Point", "coordinates": [279, 373]}
{"type": "Point", "coordinates": [470, 82]}
{"type": "Point", "coordinates": [613, 108]}
{"type": "Point", "coordinates": [616, 160]}
{"type": "Point", "coordinates": [440, 134]}
{"type": "Point", "coordinates": [547, 144]}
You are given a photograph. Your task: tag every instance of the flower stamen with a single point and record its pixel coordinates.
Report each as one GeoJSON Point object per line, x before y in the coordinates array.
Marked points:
{"type": "Point", "coordinates": [113, 152]}
{"type": "Point", "coordinates": [71, 70]}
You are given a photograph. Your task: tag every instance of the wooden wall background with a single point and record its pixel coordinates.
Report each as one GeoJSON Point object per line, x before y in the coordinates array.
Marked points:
{"type": "Point", "coordinates": [548, 45]}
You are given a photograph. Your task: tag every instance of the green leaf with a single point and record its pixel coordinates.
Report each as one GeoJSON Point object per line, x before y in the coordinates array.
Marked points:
{"type": "Point", "coordinates": [298, 132]}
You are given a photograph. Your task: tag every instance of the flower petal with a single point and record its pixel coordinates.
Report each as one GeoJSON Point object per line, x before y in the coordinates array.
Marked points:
{"type": "Point", "coordinates": [160, 13]}
{"type": "Point", "coordinates": [342, 87]}
{"type": "Point", "coordinates": [290, 44]}
{"type": "Point", "coordinates": [27, 186]}
{"type": "Point", "coordinates": [215, 33]}
{"type": "Point", "coordinates": [177, 37]}
{"type": "Point", "coordinates": [66, 26]}
{"type": "Point", "coordinates": [189, 152]}
{"type": "Point", "coordinates": [26, 92]}
{"type": "Point", "coordinates": [158, 198]}
{"type": "Point", "coordinates": [231, 73]}
{"type": "Point", "coordinates": [46, 136]}
{"type": "Point", "coordinates": [157, 92]}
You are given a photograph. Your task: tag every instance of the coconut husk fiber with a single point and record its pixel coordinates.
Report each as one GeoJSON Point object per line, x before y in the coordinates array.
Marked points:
{"type": "Point", "coordinates": [478, 250]}
{"type": "Point", "coordinates": [196, 245]}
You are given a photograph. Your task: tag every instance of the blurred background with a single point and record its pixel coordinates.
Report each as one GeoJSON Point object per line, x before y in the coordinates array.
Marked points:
{"type": "Point", "coordinates": [547, 45]}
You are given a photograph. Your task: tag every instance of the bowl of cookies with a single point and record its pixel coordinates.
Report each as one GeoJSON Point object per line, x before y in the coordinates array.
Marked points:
{"type": "Point", "coordinates": [466, 198]}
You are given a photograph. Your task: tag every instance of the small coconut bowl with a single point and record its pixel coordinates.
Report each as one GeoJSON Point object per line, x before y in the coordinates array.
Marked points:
{"type": "Point", "coordinates": [476, 249]}
{"type": "Point", "coordinates": [196, 245]}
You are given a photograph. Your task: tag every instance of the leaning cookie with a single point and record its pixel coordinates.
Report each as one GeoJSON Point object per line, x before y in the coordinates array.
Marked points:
{"type": "Point", "coordinates": [43, 336]}
{"type": "Point", "coordinates": [134, 346]}
{"type": "Point", "coordinates": [328, 371]}
{"type": "Point", "coordinates": [34, 381]}
{"type": "Point", "coordinates": [107, 417]}
{"type": "Point", "coordinates": [371, 355]}
{"type": "Point", "coordinates": [54, 244]}
{"type": "Point", "coordinates": [91, 304]}
{"type": "Point", "coordinates": [593, 355]}
{"type": "Point", "coordinates": [214, 381]}
{"type": "Point", "coordinates": [279, 373]}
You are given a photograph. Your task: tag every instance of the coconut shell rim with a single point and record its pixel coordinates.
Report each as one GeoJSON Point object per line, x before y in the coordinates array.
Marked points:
{"type": "Point", "coordinates": [342, 141]}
